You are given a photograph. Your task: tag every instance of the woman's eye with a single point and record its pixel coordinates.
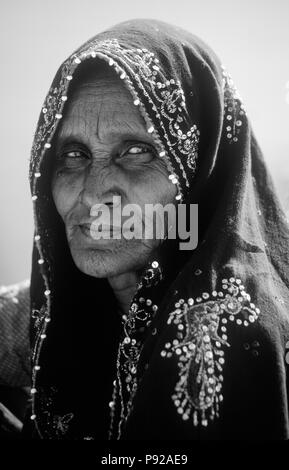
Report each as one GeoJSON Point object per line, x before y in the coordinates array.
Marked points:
{"type": "Point", "coordinates": [72, 159]}
{"type": "Point", "coordinates": [145, 151]}
{"type": "Point", "coordinates": [73, 155]}
{"type": "Point", "coordinates": [138, 149]}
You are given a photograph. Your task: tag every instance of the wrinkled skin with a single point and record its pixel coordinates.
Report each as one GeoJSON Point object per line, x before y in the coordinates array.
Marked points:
{"type": "Point", "coordinates": [103, 150]}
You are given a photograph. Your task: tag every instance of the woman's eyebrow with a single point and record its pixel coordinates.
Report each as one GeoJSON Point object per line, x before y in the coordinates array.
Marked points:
{"type": "Point", "coordinates": [69, 139]}
{"type": "Point", "coordinates": [132, 135]}
{"type": "Point", "coordinates": [111, 136]}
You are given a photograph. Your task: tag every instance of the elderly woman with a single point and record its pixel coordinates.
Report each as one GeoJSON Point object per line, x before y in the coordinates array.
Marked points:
{"type": "Point", "coordinates": [134, 337]}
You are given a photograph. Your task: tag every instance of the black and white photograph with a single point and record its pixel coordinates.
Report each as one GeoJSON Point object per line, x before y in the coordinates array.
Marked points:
{"type": "Point", "coordinates": [144, 243]}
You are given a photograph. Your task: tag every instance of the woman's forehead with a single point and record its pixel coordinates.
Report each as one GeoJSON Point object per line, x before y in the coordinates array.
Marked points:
{"type": "Point", "coordinates": [103, 109]}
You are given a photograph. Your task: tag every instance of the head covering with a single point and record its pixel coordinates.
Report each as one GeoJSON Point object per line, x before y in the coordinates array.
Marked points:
{"type": "Point", "coordinates": [201, 352]}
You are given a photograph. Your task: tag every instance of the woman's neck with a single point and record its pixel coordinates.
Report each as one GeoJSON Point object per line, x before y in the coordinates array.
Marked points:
{"type": "Point", "coordinates": [124, 287]}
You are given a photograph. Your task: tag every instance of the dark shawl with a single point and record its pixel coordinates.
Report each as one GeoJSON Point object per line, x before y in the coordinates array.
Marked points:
{"type": "Point", "coordinates": [202, 352]}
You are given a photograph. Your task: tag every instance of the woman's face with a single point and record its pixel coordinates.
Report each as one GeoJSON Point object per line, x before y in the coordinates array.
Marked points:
{"type": "Point", "coordinates": [103, 149]}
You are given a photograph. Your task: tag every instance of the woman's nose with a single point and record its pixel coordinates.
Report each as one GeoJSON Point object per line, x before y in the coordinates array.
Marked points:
{"type": "Point", "coordinates": [98, 188]}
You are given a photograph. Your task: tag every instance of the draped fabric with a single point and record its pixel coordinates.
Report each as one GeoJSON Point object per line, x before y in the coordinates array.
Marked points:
{"type": "Point", "coordinates": [201, 354]}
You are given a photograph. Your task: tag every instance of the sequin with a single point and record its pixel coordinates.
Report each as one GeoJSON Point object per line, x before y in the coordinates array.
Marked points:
{"type": "Point", "coordinates": [233, 107]}
{"type": "Point", "coordinates": [204, 349]}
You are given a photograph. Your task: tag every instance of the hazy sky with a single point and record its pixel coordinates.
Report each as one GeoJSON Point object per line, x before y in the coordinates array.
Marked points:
{"type": "Point", "coordinates": [250, 36]}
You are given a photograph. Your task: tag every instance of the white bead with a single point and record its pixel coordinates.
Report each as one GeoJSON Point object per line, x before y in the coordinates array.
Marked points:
{"type": "Point", "coordinates": [93, 54]}
{"type": "Point", "coordinates": [151, 129]}
{"type": "Point", "coordinates": [110, 62]}
{"type": "Point", "coordinates": [47, 320]}
{"type": "Point", "coordinates": [34, 198]}
{"type": "Point", "coordinates": [162, 154]}
{"type": "Point", "coordinates": [58, 116]}
{"type": "Point", "coordinates": [171, 177]}
{"type": "Point", "coordinates": [69, 77]}
{"type": "Point", "coordinates": [47, 292]}
{"type": "Point", "coordinates": [136, 102]}
{"type": "Point", "coordinates": [174, 181]}
{"type": "Point", "coordinates": [155, 264]}
{"type": "Point", "coordinates": [40, 261]}
{"type": "Point", "coordinates": [43, 336]}
{"type": "Point", "coordinates": [64, 98]}
{"type": "Point", "coordinates": [37, 368]}
{"type": "Point", "coordinates": [33, 390]}
{"type": "Point", "coordinates": [33, 417]}
{"type": "Point", "coordinates": [123, 75]}
{"type": "Point", "coordinates": [37, 175]}
{"type": "Point", "coordinates": [37, 237]}
{"type": "Point", "coordinates": [178, 197]}
{"type": "Point", "coordinates": [77, 60]}
{"type": "Point", "coordinates": [47, 145]}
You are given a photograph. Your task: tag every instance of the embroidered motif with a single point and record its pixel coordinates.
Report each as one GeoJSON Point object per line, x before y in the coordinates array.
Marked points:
{"type": "Point", "coordinates": [38, 316]}
{"type": "Point", "coordinates": [233, 108]}
{"type": "Point", "coordinates": [54, 426]}
{"type": "Point", "coordinates": [199, 347]}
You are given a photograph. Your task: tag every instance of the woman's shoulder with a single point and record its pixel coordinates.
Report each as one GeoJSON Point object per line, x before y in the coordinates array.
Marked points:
{"type": "Point", "coordinates": [14, 334]}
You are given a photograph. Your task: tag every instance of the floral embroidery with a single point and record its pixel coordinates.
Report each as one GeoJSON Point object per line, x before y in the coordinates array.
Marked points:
{"type": "Point", "coordinates": [199, 347]}
{"type": "Point", "coordinates": [234, 109]}
{"type": "Point", "coordinates": [54, 426]}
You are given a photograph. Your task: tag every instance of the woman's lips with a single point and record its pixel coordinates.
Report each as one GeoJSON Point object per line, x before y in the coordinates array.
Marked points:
{"type": "Point", "coordinates": [107, 230]}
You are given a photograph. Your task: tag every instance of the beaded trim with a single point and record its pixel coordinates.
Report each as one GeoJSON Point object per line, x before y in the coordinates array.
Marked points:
{"type": "Point", "coordinates": [234, 110]}
{"type": "Point", "coordinates": [199, 347]}
{"type": "Point", "coordinates": [135, 325]}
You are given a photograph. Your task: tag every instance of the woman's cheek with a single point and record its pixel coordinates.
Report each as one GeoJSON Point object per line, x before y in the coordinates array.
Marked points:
{"type": "Point", "coordinates": [155, 187]}
{"type": "Point", "coordinates": [65, 191]}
